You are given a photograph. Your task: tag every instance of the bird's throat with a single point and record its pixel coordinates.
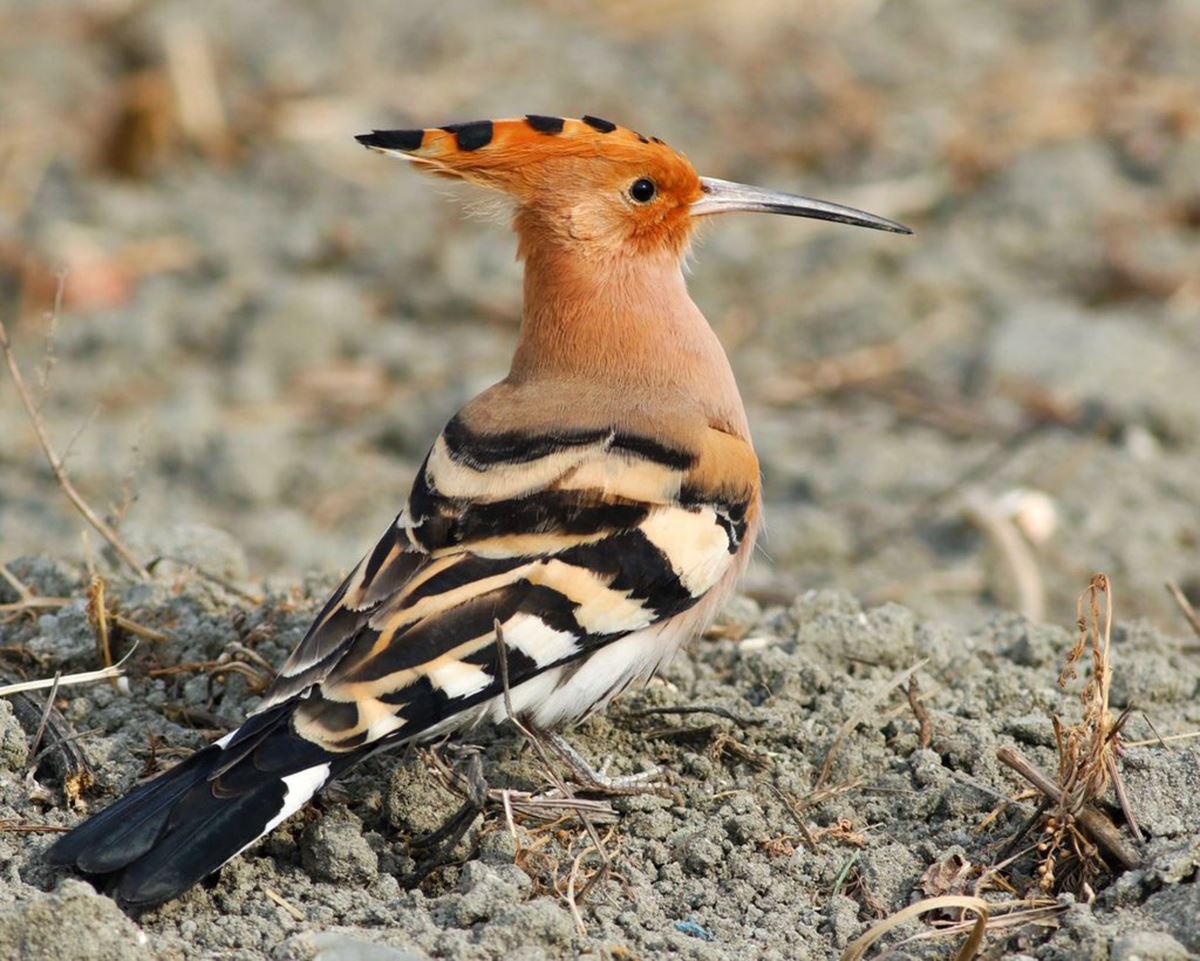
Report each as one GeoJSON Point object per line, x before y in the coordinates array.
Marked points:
{"type": "Point", "coordinates": [625, 321]}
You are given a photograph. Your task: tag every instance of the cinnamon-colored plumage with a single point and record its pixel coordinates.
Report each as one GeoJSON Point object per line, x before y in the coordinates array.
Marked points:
{"type": "Point", "coordinates": [590, 512]}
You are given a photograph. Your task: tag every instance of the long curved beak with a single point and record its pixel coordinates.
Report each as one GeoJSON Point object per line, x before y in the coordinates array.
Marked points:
{"type": "Point", "coordinates": [724, 196]}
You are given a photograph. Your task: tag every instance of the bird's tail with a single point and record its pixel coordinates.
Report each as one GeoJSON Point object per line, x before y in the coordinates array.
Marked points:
{"type": "Point", "coordinates": [171, 832]}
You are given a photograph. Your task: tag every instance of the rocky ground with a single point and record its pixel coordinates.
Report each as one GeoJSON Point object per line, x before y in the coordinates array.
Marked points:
{"type": "Point", "coordinates": [808, 803]}
{"type": "Point", "coordinates": [263, 326]}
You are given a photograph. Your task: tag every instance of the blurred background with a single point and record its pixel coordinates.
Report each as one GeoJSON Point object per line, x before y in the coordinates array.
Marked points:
{"type": "Point", "coordinates": [263, 326]}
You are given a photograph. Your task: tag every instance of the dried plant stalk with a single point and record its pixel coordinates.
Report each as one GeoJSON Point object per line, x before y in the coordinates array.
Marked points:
{"type": "Point", "coordinates": [1088, 752]}
{"type": "Point", "coordinates": [857, 949]}
{"type": "Point", "coordinates": [57, 467]}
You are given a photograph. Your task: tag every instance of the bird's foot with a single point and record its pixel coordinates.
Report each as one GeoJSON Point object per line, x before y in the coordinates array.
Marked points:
{"type": "Point", "coordinates": [597, 782]}
{"type": "Point", "coordinates": [438, 846]}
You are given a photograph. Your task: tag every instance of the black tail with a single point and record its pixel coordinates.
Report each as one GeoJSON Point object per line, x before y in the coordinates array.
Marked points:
{"type": "Point", "coordinates": [167, 834]}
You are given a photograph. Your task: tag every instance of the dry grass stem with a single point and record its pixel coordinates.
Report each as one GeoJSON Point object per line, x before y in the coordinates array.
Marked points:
{"type": "Point", "coordinates": [1089, 750]}
{"type": "Point", "coordinates": [1014, 549]}
{"type": "Point", "coordinates": [713, 709]}
{"type": "Point", "coordinates": [797, 817]}
{"type": "Point", "coordinates": [97, 612]}
{"type": "Point", "coordinates": [1123, 798]}
{"type": "Point", "coordinates": [920, 712]}
{"type": "Point", "coordinates": [32, 602]}
{"type": "Point", "coordinates": [549, 811]}
{"type": "Point", "coordinates": [1189, 612]}
{"type": "Point", "coordinates": [1016, 914]}
{"type": "Point", "coordinates": [857, 950]}
{"type": "Point", "coordinates": [284, 903]}
{"type": "Point", "coordinates": [1078, 842]}
{"type": "Point", "coordinates": [862, 713]}
{"type": "Point", "coordinates": [56, 463]}
{"type": "Point", "coordinates": [543, 809]}
{"type": "Point", "coordinates": [67, 680]}
{"type": "Point", "coordinates": [1164, 740]}
{"type": "Point", "coordinates": [36, 743]}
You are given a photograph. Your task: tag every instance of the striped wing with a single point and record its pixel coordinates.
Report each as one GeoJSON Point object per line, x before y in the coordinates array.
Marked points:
{"type": "Point", "coordinates": [568, 540]}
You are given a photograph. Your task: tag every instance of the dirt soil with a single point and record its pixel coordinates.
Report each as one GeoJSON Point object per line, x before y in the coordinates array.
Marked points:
{"type": "Point", "coordinates": [263, 327]}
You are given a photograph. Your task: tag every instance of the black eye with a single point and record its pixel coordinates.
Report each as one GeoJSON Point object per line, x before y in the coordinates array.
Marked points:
{"type": "Point", "coordinates": [643, 190]}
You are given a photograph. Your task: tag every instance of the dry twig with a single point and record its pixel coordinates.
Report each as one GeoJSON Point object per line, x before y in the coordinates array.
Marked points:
{"type": "Point", "coordinates": [284, 903]}
{"type": "Point", "coordinates": [920, 712]}
{"type": "Point", "coordinates": [84, 677]}
{"type": "Point", "coordinates": [1162, 741]}
{"type": "Point", "coordinates": [1098, 827]}
{"type": "Point", "coordinates": [1185, 606]}
{"type": "Point", "coordinates": [57, 466]}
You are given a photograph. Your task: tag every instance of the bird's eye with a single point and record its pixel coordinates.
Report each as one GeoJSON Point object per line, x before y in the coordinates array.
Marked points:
{"type": "Point", "coordinates": [643, 190]}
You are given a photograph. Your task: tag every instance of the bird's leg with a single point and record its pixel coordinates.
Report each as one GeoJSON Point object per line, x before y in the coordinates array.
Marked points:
{"type": "Point", "coordinates": [591, 780]}
{"type": "Point", "coordinates": [446, 838]}
{"type": "Point", "coordinates": [587, 778]}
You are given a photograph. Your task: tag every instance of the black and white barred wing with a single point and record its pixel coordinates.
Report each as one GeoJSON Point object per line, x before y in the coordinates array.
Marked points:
{"type": "Point", "coordinates": [570, 542]}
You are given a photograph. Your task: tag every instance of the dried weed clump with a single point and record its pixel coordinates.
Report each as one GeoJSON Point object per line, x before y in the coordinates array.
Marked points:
{"type": "Point", "coordinates": [1088, 754]}
{"type": "Point", "coordinates": [1078, 843]}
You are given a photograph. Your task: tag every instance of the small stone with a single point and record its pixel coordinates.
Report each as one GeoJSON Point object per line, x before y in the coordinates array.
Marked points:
{"type": "Point", "coordinates": [13, 748]}
{"type": "Point", "coordinates": [488, 891]}
{"type": "Point", "coordinates": [497, 847]}
{"type": "Point", "coordinates": [337, 946]}
{"type": "Point", "coordinates": [72, 921]}
{"type": "Point", "coordinates": [843, 919]}
{"type": "Point", "coordinates": [184, 547]}
{"type": "Point", "coordinates": [334, 849]}
{"type": "Point", "coordinates": [1148, 946]}
{"type": "Point", "coordinates": [700, 855]}
{"type": "Point", "coordinates": [414, 802]}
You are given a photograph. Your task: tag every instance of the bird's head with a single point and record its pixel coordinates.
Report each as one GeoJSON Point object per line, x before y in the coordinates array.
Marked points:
{"type": "Point", "coordinates": [593, 187]}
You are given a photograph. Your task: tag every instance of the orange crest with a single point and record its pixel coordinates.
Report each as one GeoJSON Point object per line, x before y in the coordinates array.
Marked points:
{"type": "Point", "coordinates": [584, 183]}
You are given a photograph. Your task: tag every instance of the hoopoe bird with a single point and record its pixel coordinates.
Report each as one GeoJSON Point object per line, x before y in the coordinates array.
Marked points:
{"type": "Point", "coordinates": [569, 529]}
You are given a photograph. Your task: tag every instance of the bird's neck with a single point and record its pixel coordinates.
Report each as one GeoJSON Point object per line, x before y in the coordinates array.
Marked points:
{"type": "Point", "coordinates": [627, 322]}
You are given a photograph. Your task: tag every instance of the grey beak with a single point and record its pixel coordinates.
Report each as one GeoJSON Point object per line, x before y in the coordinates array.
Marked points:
{"type": "Point", "coordinates": [724, 196]}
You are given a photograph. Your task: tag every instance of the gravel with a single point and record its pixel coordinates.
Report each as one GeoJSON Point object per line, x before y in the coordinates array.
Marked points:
{"type": "Point", "coordinates": [716, 868]}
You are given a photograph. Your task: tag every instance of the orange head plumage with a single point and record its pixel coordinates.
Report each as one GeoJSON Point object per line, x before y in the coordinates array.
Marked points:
{"type": "Point", "coordinates": [587, 183]}
{"type": "Point", "coordinates": [592, 186]}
